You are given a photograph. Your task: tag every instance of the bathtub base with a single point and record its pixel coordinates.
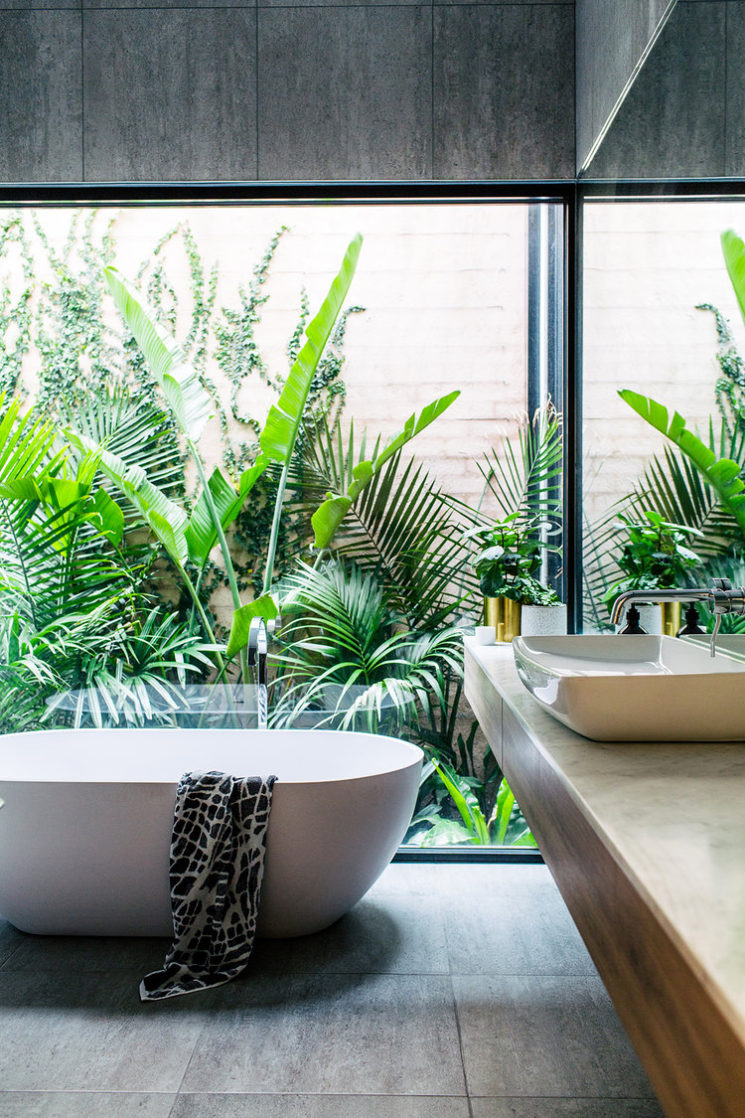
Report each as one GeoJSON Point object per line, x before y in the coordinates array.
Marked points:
{"type": "Point", "coordinates": [91, 857]}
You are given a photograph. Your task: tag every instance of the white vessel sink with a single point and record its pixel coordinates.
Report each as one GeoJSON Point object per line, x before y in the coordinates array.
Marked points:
{"type": "Point", "coordinates": [624, 688]}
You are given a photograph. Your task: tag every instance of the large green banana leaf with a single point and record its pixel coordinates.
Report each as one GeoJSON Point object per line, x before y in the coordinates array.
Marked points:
{"type": "Point", "coordinates": [186, 395]}
{"type": "Point", "coordinates": [277, 440]}
{"type": "Point", "coordinates": [723, 474]}
{"type": "Point", "coordinates": [733, 250]}
{"type": "Point", "coordinates": [327, 519]}
{"type": "Point", "coordinates": [201, 531]}
{"type": "Point", "coordinates": [240, 629]}
{"type": "Point", "coordinates": [166, 519]}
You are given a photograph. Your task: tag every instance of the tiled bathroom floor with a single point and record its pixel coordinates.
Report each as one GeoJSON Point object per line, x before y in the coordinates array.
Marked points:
{"type": "Point", "coordinates": [449, 992]}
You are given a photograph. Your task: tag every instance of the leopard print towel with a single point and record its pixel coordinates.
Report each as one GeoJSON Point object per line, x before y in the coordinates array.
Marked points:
{"type": "Point", "coordinates": [217, 864]}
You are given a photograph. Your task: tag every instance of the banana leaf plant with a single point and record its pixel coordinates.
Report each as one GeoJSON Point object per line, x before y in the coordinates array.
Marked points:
{"type": "Point", "coordinates": [722, 474]}
{"type": "Point", "coordinates": [192, 538]}
{"type": "Point", "coordinates": [504, 827]}
{"type": "Point", "coordinates": [328, 518]}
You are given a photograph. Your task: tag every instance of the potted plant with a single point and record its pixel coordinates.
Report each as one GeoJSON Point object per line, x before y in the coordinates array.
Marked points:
{"type": "Point", "coordinates": [655, 556]}
{"type": "Point", "coordinates": [515, 601]}
{"type": "Point", "coordinates": [523, 482]}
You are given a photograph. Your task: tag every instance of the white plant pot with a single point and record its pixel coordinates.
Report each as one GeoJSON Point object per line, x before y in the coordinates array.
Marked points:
{"type": "Point", "coordinates": [543, 621]}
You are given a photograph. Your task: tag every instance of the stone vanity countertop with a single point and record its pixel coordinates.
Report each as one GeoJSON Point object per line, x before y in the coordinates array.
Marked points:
{"type": "Point", "coordinates": [672, 815]}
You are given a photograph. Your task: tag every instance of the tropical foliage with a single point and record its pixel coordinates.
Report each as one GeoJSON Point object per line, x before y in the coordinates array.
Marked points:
{"type": "Point", "coordinates": [503, 826]}
{"type": "Point", "coordinates": [697, 482]}
{"type": "Point", "coordinates": [115, 533]}
{"type": "Point", "coordinates": [523, 484]}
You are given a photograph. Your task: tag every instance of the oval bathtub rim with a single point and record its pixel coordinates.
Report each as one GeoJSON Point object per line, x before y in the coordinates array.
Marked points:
{"type": "Point", "coordinates": [417, 758]}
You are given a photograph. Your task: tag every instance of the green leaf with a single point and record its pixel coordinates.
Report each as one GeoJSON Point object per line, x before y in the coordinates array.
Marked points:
{"type": "Point", "coordinates": [13, 641]}
{"type": "Point", "coordinates": [413, 426]}
{"type": "Point", "coordinates": [733, 250]}
{"type": "Point", "coordinates": [447, 832]}
{"type": "Point", "coordinates": [327, 519]}
{"type": "Point", "coordinates": [722, 474]}
{"type": "Point", "coordinates": [470, 812]}
{"type": "Point", "coordinates": [103, 511]}
{"type": "Point", "coordinates": [186, 395]}
{"type": "Point", "coordinates": [166, 519]}
{"type": "Point", "coordinates": [264, 606]}
{"type": "Point", "coordinates": [201, 532]}
{"type": "Point", "coordinates": [277, 439]}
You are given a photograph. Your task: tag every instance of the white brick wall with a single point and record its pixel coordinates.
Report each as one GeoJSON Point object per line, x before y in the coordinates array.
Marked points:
{"type": "Point", "coordinates": [444, 289]}
{"type": "Point", "coordinates": [647, 266]}
{"type": "Point", "coordinates": [445, 292]}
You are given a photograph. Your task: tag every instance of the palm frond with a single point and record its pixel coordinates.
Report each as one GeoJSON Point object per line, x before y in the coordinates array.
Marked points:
{"type": "Point", "coordinates": [344, 653]}
{"type": "Point", "coordinates": [527, 479]}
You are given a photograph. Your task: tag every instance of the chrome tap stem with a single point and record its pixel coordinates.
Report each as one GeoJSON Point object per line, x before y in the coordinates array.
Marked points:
{"type": "Point", "coordinates": [257, 655]}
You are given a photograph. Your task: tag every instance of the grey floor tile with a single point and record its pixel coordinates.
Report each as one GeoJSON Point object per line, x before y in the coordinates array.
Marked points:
{"type": "Point", "coordinates": [510, 920]}
{"type": "Point", "coordinates": [330, 1034]}
{"type": "Point", "coordinates": [566, 1108]}
{"type": "Point", "coordinates": [390, 931]}
{"type": "Point", "coordinates": [78, 1104]}
{"type": "Point", "coordinates": [90, 1032]}
{"type": "Point", "coordinates": [10, 941]}
{"type": "Point", "coordinates": [317, 1106]}
{"type": "Point", "coordinates": [409, 879]}
{"type": "Point", "coordinates": [87, 954]}
{"type": "Point", "coordinates": [545, 1036]}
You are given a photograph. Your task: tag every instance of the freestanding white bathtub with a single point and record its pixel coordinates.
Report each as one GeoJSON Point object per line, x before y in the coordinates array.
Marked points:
{"type": "Point", "coordinates": [86, 823]}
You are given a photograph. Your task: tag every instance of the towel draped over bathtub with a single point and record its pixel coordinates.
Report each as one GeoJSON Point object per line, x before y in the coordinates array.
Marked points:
{"type": "Point", "coordinates": [217, 865]}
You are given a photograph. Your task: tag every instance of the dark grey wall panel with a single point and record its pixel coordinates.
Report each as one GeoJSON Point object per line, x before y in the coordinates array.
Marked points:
{"type": "Point", "coordinates": [40, 96]}
{"type": "Point", "coordinates": [38, 5]}
{"type": "Point", "coordinates": [166, 90]}
{"type": "Point", "coordinates": [345, 93]}
{"type": "Point", "coordinates": [510, 3]}
{"type": "Point", "coordinates": [612, 38]}
{"type": "Point", "coordinates": [672, 124]}
{"type": "Point", "coordinates": [332, 3]}
{"type": "Point", "coordinates": [170, 94]}
{"type": "Point", "coordinates": [96, 5]}
{"type": "Point", "coordinates": [734, 163]}
{"type": "Point", "coordinates": [503, 92]}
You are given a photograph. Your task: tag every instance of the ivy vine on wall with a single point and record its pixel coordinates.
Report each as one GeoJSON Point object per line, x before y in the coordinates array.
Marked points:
{"type": "Point", "coordinates": [63, 349]}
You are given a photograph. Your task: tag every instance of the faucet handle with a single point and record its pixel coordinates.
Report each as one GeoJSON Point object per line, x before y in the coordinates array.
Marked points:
{"type": "Point", "coordinates": [727, 599]}
{"type": "Point", "coordinates": [257, 639]}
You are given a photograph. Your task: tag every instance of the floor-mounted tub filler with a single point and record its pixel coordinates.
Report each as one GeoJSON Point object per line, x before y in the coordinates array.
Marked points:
{"type": "Point", "coordinates": [85, 825]}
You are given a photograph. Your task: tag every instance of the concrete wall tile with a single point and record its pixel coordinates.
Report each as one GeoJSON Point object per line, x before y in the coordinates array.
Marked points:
{"type": "Point", "coordinates": [40, 96]}
{"type": "Point", "coordinates": [734, 163]}
{"type": "Point", "coordinates": [612, 37]}
{"type": "Point", "coordinates": [672, 124]}
{"type": "Point", "coordinates": [95, 5]}
{"type": "Point", "coordinates": [345, 93]}
{"type": "Point", "coordinates": [170, 95]}
{"type": "Point", "coordinates": [503, 92]}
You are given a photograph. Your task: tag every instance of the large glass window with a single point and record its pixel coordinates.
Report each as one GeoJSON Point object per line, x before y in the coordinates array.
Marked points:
{"type": "Point", "coordinates": [661, 319]}
{"type": "Point", "coordinates": [447, 297]}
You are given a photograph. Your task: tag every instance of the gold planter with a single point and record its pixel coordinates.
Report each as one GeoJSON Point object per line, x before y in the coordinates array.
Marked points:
{"type": "Point", "coordinates": [670, 618]}
{"type": "Point", "coordinates": [504, 615]}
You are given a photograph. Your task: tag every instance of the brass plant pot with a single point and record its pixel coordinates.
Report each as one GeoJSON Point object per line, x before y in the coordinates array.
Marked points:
{"type": "Point", "coordinates": [671, 621]}
{"type": "Point", "coordinates": [504, 615]}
